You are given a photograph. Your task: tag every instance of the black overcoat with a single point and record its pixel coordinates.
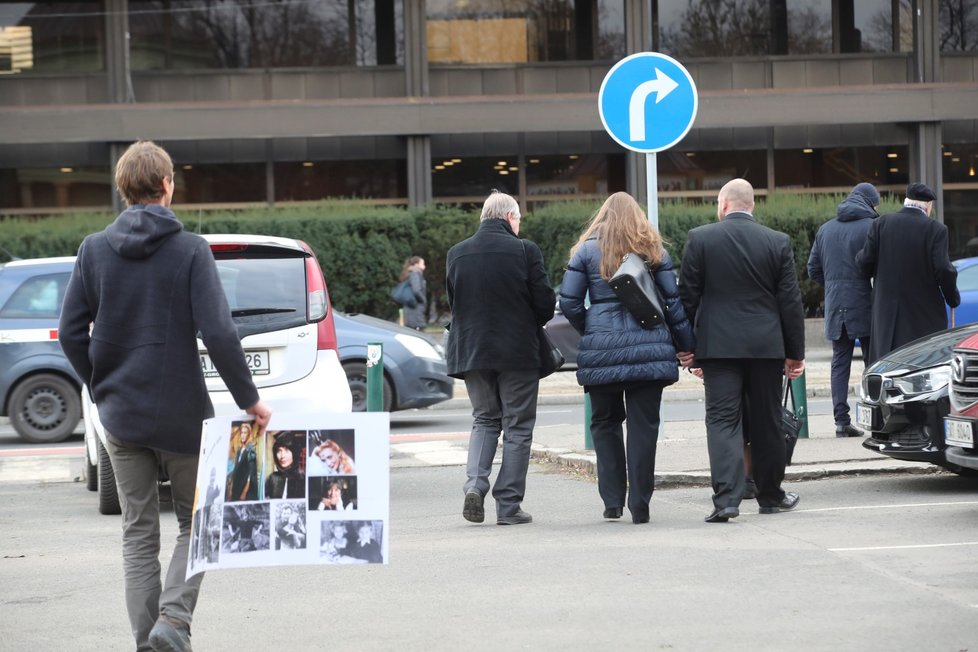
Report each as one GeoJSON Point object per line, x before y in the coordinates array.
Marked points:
{"type": "Point", "coordinates": [906, 256]}
{"type": "Point", "coordinates": [740, 290]}
{"type": "Point", "coordinates": [499, 295]}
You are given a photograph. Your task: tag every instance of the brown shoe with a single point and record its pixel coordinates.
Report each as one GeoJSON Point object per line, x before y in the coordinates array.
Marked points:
{"type": "Point", "coordinates": [170, 635]}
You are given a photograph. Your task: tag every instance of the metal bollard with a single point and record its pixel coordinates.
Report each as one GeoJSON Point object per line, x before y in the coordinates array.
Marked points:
{"type": "Point", "coordinates": [375, 377]}
{"type": "Point", "coordinates": [800, 394]}
{"type": "Point", "coordinates": [588, 442]}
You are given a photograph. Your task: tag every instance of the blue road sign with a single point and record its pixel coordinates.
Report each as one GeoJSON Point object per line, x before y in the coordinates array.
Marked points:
{"type": "Point", "coordinates": [647, 102]}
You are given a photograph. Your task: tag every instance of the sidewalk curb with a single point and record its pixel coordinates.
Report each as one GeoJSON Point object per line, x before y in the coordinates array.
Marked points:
{"type": "Point", "coordinates": [576, 398]}
{"type": "Point", "coordinates": [585, 464]}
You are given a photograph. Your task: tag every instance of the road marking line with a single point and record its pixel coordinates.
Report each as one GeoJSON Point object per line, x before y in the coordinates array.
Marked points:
{"type": "Point", "coordinates": [911, 547]}
{"type": "Point", "coordinates": [62, 450]}
{"type": "Point", "coordinates": [857, 507]}
{"type": "Point", "coordinates": [423, 436]}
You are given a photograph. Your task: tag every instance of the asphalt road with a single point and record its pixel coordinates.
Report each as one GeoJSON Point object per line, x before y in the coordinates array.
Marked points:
{"type": "Point", "coordinates": [878, 563]}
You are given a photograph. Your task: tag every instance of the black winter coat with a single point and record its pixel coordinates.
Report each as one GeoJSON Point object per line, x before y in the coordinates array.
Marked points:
{"type": "Point", "coordinates": [614, 347]}
{"type": "Point", "coordinates": [499, 295]}
{"type": "Point", "coordinates": [740, 290]}
{"type": "Point", "coordinates": [906, 256]}
{"type": "Point", "coordinates": [832, 264]}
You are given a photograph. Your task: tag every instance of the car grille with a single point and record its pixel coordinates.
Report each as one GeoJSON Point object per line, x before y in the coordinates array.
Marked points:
{"type": "Point", "coordinates": [964, 378]}
{"type": "Point", "coordinates": [873, 386]}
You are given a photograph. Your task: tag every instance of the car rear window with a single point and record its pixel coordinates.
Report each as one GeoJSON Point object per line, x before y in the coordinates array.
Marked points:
{"type": "Point", "coordinates": [265, 292]}
{"type": "Point", "coordinates": [38, 297]}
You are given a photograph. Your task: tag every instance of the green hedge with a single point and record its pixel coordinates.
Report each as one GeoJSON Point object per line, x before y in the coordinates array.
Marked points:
{"type": "Point", "coordinates": [362, 247]}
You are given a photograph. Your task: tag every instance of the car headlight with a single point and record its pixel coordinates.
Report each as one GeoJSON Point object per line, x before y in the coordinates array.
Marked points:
{"type": "Point", "coordinates": [923, 382]}
{"type": "Point", "coordinates": [418, 346]}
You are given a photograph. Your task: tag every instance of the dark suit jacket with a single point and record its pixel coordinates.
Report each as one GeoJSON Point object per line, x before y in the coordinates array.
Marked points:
{"type": "Point", "coordinates": [906, 255]}
{"type": "Point", "coordinates": [740, 290]}
{"type": "Point", "coordinates": [499, 294]}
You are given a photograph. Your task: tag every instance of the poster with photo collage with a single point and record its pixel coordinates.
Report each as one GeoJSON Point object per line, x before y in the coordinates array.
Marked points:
{"type": "Point", "coordinates": [312, 489]}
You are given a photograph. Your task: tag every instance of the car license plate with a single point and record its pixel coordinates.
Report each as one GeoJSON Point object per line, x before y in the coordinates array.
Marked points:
{"type": "Point", "coordinates": [864, 416]}
{"type": "Point", "coordinates": [257, 362]}
{"type": "Point", "coordinates": [959, 432]}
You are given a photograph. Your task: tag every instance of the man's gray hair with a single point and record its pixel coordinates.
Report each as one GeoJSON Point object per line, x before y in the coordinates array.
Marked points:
{"type": "Point", "coordinates": [916, 203]}
{"type": "Point", "coordinates": [498, 205]}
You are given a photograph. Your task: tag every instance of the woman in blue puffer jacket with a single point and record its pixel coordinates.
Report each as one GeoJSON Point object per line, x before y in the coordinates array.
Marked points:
{"type": "Point", "coordinates": [623, 366]}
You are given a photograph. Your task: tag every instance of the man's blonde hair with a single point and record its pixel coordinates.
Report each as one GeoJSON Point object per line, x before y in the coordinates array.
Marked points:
{"type": "Point", "coordinates": [140, 172]}
{"type": "Point", "coordinates": [498, 205]}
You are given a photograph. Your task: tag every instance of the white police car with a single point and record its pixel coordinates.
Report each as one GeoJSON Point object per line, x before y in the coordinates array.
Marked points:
{"type": "Point", "coordinates": [39, 391]}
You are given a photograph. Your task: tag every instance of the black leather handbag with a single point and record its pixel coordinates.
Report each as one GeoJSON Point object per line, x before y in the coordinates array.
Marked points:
{"type": "Point", "coordinates": [790, 423]}
{"type": "Point", "coordinates": [551, 359]}
{"type": "Point", "coordinates": [636, 289]}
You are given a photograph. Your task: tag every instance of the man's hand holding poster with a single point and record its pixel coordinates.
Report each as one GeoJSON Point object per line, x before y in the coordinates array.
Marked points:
{"type": "Point", "coordinates": [313, 489]}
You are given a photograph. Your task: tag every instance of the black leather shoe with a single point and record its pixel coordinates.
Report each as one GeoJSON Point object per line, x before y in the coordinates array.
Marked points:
{"type": "Point", "coordinates": [848, 430]}
{"type": "Point", "coordinates": [519, 518]}
{"type": "Point", "coordinates": [472, 509]}
{"type": "Point", "coordinates": [722, 515]}
{"type": "Point", "coordinates": [787, 503]}
{"type": "Point", "coordinates": [613, 512]}
{"type": "Point", "coordinates": [640, 517]}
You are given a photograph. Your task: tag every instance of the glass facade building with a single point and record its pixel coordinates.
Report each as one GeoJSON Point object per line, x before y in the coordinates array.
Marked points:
{"type": "Point", "coordinates": [417, 101]}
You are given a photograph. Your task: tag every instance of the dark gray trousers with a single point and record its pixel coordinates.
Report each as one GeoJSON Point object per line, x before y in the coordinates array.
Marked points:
{"type": "Point", "coordinates": [502, 401]}
{"type": "Point", "coordinates": [136, 475]}
{"type": "Point", "coordinates": [726, 381]}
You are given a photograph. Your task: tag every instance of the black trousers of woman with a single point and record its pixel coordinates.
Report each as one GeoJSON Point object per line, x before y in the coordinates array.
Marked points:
{"type": "Point", "coordinates": [626, 462]}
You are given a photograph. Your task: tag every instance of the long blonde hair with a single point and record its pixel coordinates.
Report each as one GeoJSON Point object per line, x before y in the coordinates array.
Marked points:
{"type": "Point", "coordinates": [621, 227]}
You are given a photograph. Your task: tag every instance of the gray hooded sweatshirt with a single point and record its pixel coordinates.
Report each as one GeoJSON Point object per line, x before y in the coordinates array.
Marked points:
{"type": "Point", "coordinates": [148, 287]}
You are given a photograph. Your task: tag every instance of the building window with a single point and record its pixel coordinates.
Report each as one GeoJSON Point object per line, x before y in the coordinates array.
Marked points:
{"type": "Point", "coordinates": [959, 163]}
{"type": "Point", "coordinates": [467, 178]}
{"type": "Point", "coordinates": [64, 187]}
{"type": "Point", "coordinates": [523, 31]}
{"type": "Point", "coordinates": [680, 171]}
{"type": "Point", "coordinates": [211, 183]}
{"type": "Point", "coordinates": [725, 28]}
{"type": "Point", "coordinates": [51, 37]}
{"type": "Point", "coordinates": [959, 25]}
{"type": "Point", "coordinates": [962, 223]}
{"type": "Point", "coordinates": [256, 34]}
{"type": "Point", "coordinates": [567, 176]}
{"type": "Point", "coordinates": [313, 180]}
{"type": "Point", "coordinates": [840, 167]}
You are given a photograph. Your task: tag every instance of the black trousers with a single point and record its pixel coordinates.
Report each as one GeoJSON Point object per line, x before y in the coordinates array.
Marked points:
{"type": "Point", "coordinates": [726, 382]}
{"type": "Point", "coordinates": [626, 463]}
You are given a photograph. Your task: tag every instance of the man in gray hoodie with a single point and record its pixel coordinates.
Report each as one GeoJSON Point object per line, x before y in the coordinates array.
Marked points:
{"type": "Point", "coordinates": [140, 292]}
{"type": "Point", "coordinates": [848, 294]}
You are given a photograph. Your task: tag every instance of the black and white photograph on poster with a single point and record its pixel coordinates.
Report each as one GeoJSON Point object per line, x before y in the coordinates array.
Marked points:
{"type": "Point", "coordinates": [333, 493]}
{"type": "Point", "coordinates": [206, 535]}
{"type": "Point", "coordinates": [247, 528]}
{"type": "Point", "coordinates": [243, 462]}
{"type": "Point", "coordinates": [331, 452]}
{"type": "Point", "coordinates": [285, 460]}
{"type": "Point", "coordinates": [352, 542]}
{"type": "Point", "coordinates": [290, 525]}
{"type": "Point", "coordinates": [284, 526]}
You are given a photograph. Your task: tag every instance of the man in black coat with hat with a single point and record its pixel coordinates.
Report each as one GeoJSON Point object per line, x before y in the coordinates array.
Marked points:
{"type": "Point", "coordinates": [906, 256]}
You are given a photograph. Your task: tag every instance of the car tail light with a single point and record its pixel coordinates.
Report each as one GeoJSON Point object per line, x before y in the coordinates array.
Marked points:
{"type": "Point", "coordinates": [317, 304]}
{"type": "Point", "coordinates": [220, 248]}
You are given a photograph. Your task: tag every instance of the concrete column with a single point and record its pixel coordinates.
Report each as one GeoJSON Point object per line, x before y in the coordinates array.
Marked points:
{"type": "Point", "coordinates": [117, 50]}
{"type": "Point", "coordinates": [416, 85]}
{"type": "Point", "coordinates": [926, 163]}
{"type": "Point", "coordinates": [115, 153]}
{"type": "Point", "coordinates": [419, 170]}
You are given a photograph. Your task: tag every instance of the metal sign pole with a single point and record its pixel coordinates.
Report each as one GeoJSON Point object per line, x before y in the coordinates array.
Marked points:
{"type": "Point", "coordinates": [652, 190]}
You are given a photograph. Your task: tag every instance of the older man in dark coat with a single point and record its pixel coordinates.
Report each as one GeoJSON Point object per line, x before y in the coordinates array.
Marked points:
{"type": "Point", "coordinates": [906, 256]}
{"type": "Point", "coordinates": [848, 294]}
{"type": "Point", "coordinates": [499, 295]}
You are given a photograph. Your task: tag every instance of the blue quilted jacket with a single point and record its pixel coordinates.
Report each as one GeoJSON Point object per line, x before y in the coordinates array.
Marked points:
{"type": "Point", "coordinates": [614, 347]}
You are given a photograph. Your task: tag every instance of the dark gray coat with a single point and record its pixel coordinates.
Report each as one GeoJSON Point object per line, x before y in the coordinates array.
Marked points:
{"type": "Point", "coordinates": [149, 287]}
{"type": "Point", "coordinates": [614, 347]}
{"type": "Point", "coordinates": [906, 256]}
{"type": "Point", "coordinates": [832, 264]}
{"type": "Point", "coordinates": [417, 317]}
{"type": "Point", "coordinates": [499, 295]}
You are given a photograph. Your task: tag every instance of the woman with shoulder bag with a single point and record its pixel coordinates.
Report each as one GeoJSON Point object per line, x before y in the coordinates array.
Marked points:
{"type": "Point", "coordinates": [623, 366]}
{"type": "Point", "coordinates": [416, 316]}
